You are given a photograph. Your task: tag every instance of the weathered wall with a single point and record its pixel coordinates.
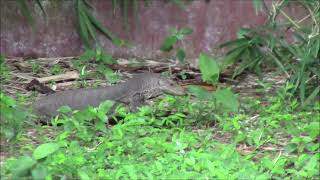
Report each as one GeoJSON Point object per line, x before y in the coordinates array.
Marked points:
{"type": "Point", "coordinates": [213, 22]}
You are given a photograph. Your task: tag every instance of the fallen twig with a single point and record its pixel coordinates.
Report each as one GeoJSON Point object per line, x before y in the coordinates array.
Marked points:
{"type": "Point", "coordinates": [66, 76]}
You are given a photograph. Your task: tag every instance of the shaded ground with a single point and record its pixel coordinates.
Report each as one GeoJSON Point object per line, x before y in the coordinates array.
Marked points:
{"type": "Point", "coordinates": [23, 71]}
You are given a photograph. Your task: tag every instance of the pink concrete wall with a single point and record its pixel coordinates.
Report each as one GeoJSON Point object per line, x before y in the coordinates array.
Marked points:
{"type": "Point", "coordinates": [213, 22]}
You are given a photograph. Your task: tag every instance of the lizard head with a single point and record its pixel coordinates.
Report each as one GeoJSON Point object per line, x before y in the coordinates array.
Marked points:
{"type": "Point", "coordinates": [154, 85]}
{"type": "Point", "coordinates": [170, 87]}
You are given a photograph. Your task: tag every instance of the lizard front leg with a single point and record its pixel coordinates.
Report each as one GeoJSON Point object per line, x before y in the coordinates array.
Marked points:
{"type": "Point", "coordinates": [135, 102]}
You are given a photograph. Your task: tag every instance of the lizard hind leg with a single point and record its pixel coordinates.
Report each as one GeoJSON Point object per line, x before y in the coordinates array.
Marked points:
{"type": "Point", "coordinates": [135, 102]}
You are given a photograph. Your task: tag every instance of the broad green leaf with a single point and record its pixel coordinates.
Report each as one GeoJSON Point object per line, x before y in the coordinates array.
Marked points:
{"type": "Point", "coordinates": [148, 141]}
{"type": "Point", "coordinates": [44, 150]}
{"type": "Point", "coordinates": [107, 58]}
{"type": "Point", "coordinates": [7, 100]}
{"type": "Point", "coordinates": [186, 31]}
{"type": "Point", "coordinates": [64, 109]}
{"type": "Point", "coordinates": [209, 69]}
{"type": "Point", "coordinates": [228, 99]}
{"type": "Point", "coordinates": [242, 32]}
{"type": "Point", "coordinates": [168, 43]}
{"type": "Point", "coordinates": [181, 55]}
{"type": "Point", "coordinates": [90, 27]}
{"type": "Point", "coordinates": [106, 106]}
{"type": "Point", "coordinates": [83, 31]}
{"type": "Point", "coordinates": [111, 76]}
{"type": "Point", "coordinates": [313, 129]}
{"type": "Point", "coordinates": [199, 92]}
{"type": "Point", "coordinates": [131, 171]}
{"type": "Point", "coordinates": [190, 161]}
{"type": "Point", "coordinates": [83, 175]}
{"type": "Point", "coordinates": [39, 173]}
{"type": "Point", "coordinates": [98, 25]}
{"type": "Point", "coordinates": [87, 55]}
{"type": "Point", "coordinates": [233, 56]}
{"type": "Point", "coordinates": [21, 167]}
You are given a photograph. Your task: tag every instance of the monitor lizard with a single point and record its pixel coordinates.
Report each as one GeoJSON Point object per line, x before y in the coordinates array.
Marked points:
{"type": "Point", "coordinates": [133, 93]}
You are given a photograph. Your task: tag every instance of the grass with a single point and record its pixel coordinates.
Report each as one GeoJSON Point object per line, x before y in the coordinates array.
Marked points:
{"type": "Point", "coordinates": [175, 138]}
{"type": "Point", "coordinates": [205, 136]}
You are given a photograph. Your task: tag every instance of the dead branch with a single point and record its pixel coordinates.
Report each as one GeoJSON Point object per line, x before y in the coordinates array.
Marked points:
{"type": "Point", "coordinates": [71, 75]}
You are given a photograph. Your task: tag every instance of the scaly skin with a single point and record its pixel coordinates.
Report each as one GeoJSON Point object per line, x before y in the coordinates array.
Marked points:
{"type": "Point", "coordinates": [132, 92]}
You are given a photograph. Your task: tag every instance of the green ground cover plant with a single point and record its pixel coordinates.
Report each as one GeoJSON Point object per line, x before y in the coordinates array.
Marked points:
{"type": "Point", "coordinates": [292, 45]}
{"type": "Point", "coordinates": [209, 135]}
{"type": "Point", "coordinates": [166, 141]}
{"type": "Point", "coordinates": [205, 135]}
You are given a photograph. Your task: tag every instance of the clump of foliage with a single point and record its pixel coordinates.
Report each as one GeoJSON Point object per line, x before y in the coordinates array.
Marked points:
{"type": "Point", "coordinates": [297, 55]}
{"type": "Point", "coordinates": [56, 69]}
{"type": "Point", "coordinates": [4, 70]}
{"type": "Point", "coordinates": [177, 138]}
{"type": "Point", "coordinates": [167, 141]}
{"type": "Point", "coordinates": [88, 25]}
{"type": "Point", "coordinates": [12, 117]}
{"type": "Point", "coordinates": [99, 58]}
{"type": "Point", "coordinates": [174, 37]}
{"type": "Point", "coordinates": [211, 136]}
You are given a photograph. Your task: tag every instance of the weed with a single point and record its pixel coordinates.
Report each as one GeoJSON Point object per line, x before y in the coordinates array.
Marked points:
{"type": "Point", "coordinates": [4, 69]}
{"type": "Point", "coordinates": [266, 45]}
{"type": "Point", "coordinates": [12, 117]}
{"type": "Point", "coordinates": [171, 40]}
{"type": "Point", "coordinates": [36, 68]}
{"type": "Point", "coordinates": [56, 69]}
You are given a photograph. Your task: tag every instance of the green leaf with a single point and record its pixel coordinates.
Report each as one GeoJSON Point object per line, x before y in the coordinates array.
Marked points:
{"type": "Point", "coordinates": [7, 100]}
{"type": "Point", "coordinates": [186, 31]}
{"type": "Point", "coordinates": [181, 55]}
{"type": "Point", "coordinates": [209, 69]}
{"type": "Point", "coordinates": [199, 92]}
{"type": "Point", "coordinates": [313, 129]}
{"type": "Point", "coordinates": [236, 43]}
{"type": "Point", "coordinates": [228, 99]}
{"type": "Point", "coordinates": [64, 109]}
{"type": "Point", "coordinates": [87, 55]}
{"type": "Point", "coordinates": [83, 175]}
{"type": "Point", "coordinates": [106, 106]}
{"type": "Point", "coordinates": [190, 161]}
{"type": "Point", "coordinates": [233, 56]}
{"type": "Point", "coordinates": [45, 150]}
{"type": "Point", "coordinates": [83, 31]}
{"type": "Point", "coordinates": [90, 27]}
{"type": "Point", "coordinates": [275, 57]}
{"type": "Point", "coordinates": [107, 58]}
{"type": "Point", "coordinates": [131, 171]}
{"type": "Point", "coordinates": [98, 25]}
{"type": "Point", "coordinates": [39, 173]}
{"type": "Point", "coordinates": [242, 32]}
{"type": "Point", "coordinates": [21, 167]}
{"type": "Point", "coordinates": [168, 43]}
{"type": "Point", "coordinates": [313, 96]}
